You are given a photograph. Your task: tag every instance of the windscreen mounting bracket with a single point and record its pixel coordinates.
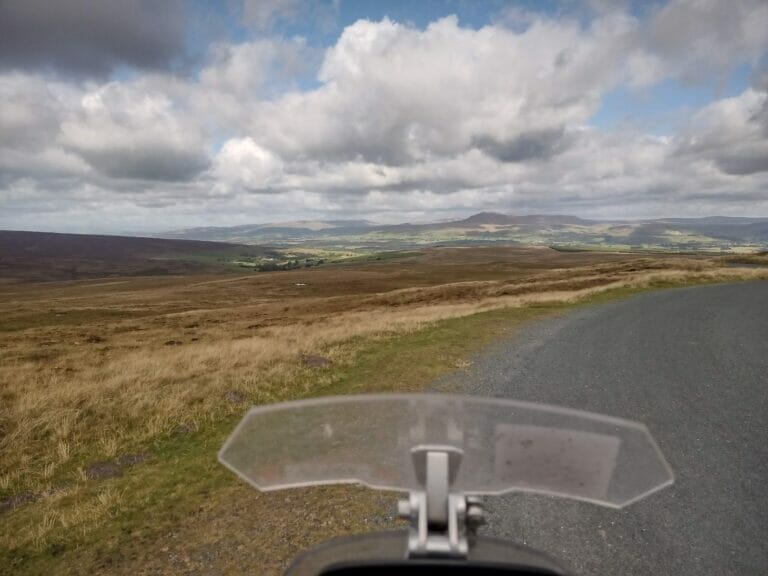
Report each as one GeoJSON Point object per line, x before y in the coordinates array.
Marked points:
{"type": "Point", "coordinates": [440, 517]}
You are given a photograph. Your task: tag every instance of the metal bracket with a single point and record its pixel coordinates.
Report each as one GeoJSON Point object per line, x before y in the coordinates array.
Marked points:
{"type": "Point", "coordinates": [439, 517]}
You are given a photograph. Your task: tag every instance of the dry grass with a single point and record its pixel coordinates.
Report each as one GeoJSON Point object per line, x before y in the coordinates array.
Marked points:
{"type": "Point", "coordinates": [70, 393]}
{"type": "Point", "coordinates": [91, 370]}
{"type": "Point", "coordinates": [758, 259]}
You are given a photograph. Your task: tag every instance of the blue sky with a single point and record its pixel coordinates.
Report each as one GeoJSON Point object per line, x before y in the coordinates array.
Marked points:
{"type": "Point", "coordinates": [137, 115]}
{"type": "Point", "coordinates": [660, 108]}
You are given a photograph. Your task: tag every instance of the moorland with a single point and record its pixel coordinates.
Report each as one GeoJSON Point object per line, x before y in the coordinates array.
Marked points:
{"type": "Point", "coordinates": [118, 383]}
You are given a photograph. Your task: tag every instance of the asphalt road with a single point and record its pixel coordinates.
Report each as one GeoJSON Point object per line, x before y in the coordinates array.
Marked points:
{"type": "Point", "coordinates": [692, 364]}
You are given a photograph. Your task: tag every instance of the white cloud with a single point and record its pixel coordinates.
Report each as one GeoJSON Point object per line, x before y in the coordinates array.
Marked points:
{"type": "Point", "coordinates": [125, 131]}
{"type": "Point", "coordinates": [249, 69]}
{"type": "Point", "coordinates": [732, 133]}
{"type": "Point", "coordinates": [243, 163]}
{"type": "Point", "coordinates": [395, 94]}
{"type": "Point", "coordinates": [31, 109]}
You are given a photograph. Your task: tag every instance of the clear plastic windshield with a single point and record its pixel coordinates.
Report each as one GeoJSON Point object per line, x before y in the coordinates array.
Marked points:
{"type": "Point", "coordinates": [507, 446]}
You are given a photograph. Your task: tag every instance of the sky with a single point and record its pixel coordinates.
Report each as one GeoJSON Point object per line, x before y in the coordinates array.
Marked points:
{"type": "Point", "coordinates": [143, 116]}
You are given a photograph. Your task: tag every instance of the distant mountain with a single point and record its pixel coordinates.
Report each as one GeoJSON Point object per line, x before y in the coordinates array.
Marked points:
{"type": "Point", "coordinates": [495, 218]}
{"type": "Point", "coordinates": [716, 233]}
{"type": "Point", "coordinates": [269, 230]}
{"type": "Point", "coordinates": [486, 218]}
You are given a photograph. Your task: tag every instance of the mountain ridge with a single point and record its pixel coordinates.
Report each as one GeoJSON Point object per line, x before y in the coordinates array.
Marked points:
{"type": "Point", "coordinates": [708, 233]}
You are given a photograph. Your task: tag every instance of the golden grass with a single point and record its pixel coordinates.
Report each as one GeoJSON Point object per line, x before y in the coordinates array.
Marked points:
{"type": "Point", "coordinates": [77, 400]}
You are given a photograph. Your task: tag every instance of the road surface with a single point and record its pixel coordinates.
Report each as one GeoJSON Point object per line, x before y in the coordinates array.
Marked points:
{"type": "Point", "coordinates": [690, 363]}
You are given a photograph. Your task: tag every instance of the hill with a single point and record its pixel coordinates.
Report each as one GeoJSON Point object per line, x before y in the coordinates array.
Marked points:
{"type": "Point", "coordinates": [42, 256]}
{"type": "Point", "coordinates": [711, 234]}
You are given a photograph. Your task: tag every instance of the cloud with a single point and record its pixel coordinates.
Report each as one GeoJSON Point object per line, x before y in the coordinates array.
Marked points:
{"type": "Point", "coordinates": [88, 38]}
{"type": "Point", "coordinates": [30, 112]}
{"type": "Point", "coordinates": [255, 69]}
{"type": "Point", "coordinates": [243, 163]}
{"type": "Point", "coordinates": [123, 130]}
{"type": "Point", "coordinates": [732, 133]}
{"type": "Point", "coordinates": [400, 123]}
{"type": "Point", "coordinates": [539, 145]}
{"type": "Point", "coordinates": [693, 38]}
{"type": "Point", "coordinates": [394, 94]}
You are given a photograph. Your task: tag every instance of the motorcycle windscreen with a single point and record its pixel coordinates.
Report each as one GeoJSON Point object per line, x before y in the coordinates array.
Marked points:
{"type": "Point", "coordinates": [507, 446]}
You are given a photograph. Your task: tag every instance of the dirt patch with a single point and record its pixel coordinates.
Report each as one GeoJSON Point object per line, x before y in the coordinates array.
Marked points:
{"type": "Point", "coordinates": [102, 470]}
{"type": "Point", "coordinates": [183, 430]}
{"type": "Point", "coordinates": [18, 500]}
{"type": "Point", "coordinates": [113, 468]}
{"type": "Point", "coordinates": [234, 397]}
{"type": "Point", "coordinates": [94, 339]}
{"type": "Point", "coordinates": [131, 459]}
{"type": "Point", "coordinates": [314, 361]}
